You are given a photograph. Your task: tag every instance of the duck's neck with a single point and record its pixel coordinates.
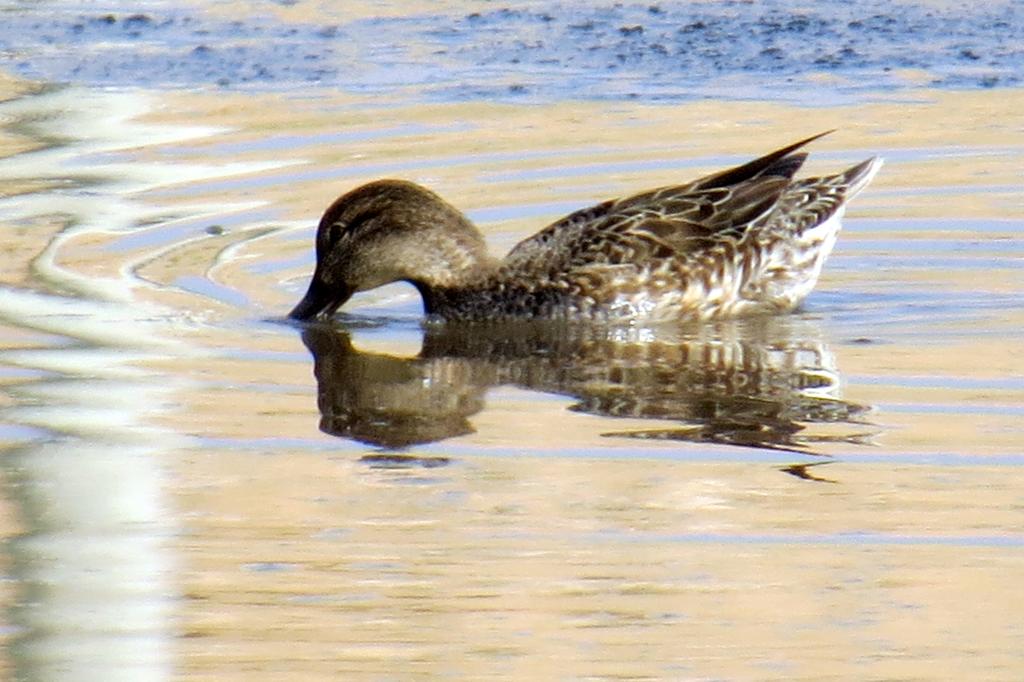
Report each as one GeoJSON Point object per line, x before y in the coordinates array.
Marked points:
{"type": "Point", "coordinates": [448, 261]}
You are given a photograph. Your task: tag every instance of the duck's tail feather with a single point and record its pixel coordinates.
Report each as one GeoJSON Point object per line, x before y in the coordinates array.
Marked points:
{"type": "Point", "coordinates": [857, 178]}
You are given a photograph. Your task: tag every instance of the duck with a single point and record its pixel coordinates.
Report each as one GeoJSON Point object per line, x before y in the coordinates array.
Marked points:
{"type": "Point", "coordinates": [744, 241]}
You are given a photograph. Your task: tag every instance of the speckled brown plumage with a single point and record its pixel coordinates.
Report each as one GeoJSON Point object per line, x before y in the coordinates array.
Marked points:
{"type": "Point", "coordinates": [747, 240]}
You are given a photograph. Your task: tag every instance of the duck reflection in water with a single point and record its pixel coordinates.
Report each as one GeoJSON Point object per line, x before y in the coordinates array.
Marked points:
{"type": "Point", "coordinates": [756, 383]}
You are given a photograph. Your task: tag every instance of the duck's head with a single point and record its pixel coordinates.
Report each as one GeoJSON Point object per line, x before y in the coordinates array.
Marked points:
{"type": "Point", "coordinates": [388, 231]}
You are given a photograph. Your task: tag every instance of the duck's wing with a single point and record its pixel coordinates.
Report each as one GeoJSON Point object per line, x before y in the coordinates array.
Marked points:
{"type": "Point", "coordinates": [781, 162]}
{"type": "Point", "coordinates": [665, 222]}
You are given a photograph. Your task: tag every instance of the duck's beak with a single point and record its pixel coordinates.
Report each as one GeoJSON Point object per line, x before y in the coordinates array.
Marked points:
{"type": "Point", "coordinates": [320, 301]}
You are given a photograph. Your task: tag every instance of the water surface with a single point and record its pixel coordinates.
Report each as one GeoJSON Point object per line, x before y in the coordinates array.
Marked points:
{"type": "Point", "coordinates": [194, 489]}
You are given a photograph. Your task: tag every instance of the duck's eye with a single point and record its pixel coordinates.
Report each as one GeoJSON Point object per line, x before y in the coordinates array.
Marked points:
{"type": "Point", "coordinates": [334, 232]}
{"type": "Point", "coordinates": [339, 229]}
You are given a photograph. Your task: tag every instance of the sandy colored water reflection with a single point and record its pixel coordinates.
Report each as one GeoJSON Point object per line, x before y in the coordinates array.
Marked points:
{"type": "Point", "coordinates": [528, 568]}
{"type": "Point", "coordinates": [136, 344]}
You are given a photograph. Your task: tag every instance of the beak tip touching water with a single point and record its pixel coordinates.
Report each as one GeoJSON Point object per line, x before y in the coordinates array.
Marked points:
{"type": "Point", "coordinates": [318, 302]}
{"type": "Point", "coordinates": [305, 310]}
